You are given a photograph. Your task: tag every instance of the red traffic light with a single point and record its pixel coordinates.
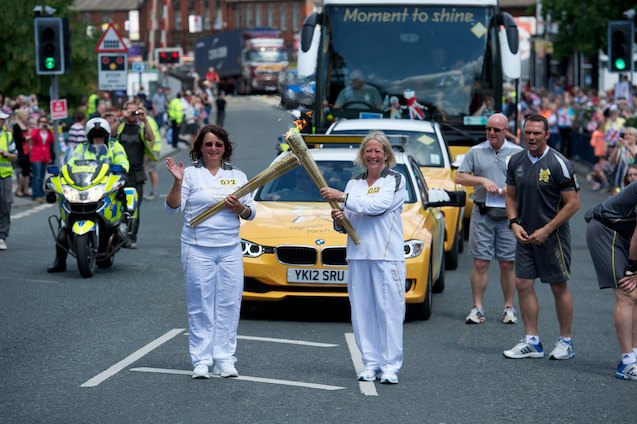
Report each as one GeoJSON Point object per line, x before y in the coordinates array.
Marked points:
{"type": "Point", "coordinates": [169, 56]}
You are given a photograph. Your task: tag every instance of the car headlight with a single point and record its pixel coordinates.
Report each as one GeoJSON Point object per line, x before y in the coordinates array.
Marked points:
{"type": "Point", "coordinates": [92, 195]}
{"type": "Point", "coordinates": [254, 250]}
{"type": "Point", "coordinates": [413, 248]}
{"type": "Point", "coordinates": [291, 94]}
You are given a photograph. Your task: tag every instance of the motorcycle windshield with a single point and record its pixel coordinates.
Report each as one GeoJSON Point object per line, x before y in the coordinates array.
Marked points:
{"type": "Point", "coordinates": [86, 163]}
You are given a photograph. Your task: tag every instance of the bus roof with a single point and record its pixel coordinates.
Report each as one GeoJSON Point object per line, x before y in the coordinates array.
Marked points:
{"type": "Point", "coordinates": [478, 3]}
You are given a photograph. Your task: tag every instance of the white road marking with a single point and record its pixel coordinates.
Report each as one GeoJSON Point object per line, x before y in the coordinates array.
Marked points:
{"type": "Point", "coordinates": [367, 387]}
{"type": "Point", "coordinates": [132, 358]}
{"type": "Point", "coordinates": [31, 211]}
{"type": "Point", "coordinates": [289, 341]}
{"type": "Point", "coordinates": [246, 378]}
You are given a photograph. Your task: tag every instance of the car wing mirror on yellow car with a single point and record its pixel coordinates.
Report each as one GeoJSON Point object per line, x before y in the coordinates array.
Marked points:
{"type": "Point", "coordinates": [438, 197]}
{"type": "Point", "coordinates": [457, 161]}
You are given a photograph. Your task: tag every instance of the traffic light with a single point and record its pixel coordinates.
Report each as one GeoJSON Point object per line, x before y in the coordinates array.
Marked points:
{"type": "Point", "coordinates": [168, 56]}
{"type": "Point", "coordinates": [52, 50]}
{"type": "Point", "coordinates": [620, 46]}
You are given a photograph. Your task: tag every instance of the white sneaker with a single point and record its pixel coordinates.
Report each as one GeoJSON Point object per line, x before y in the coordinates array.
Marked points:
{"type": "Point", "coordinates": [509, 316]}
{"type": "Point", "coordinates": [475, 317]}
{"type": "Point", "coordinates": [388, 377]}
{"type": "Point", "coordinates": [3, 245]}
{"type": "Point", "coordinates": [368, 375]}
{"type": "Point", "coordinates": [562, 350]}
{"type": "Point", "coordinates": [525, 350]}
{"type": "Point", "coordinates": [225, 370]}
{"type": "Point", "coordinates": [200, 371]}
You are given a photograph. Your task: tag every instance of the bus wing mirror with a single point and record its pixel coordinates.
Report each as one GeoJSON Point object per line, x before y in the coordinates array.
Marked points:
{"type": "Point", "coordinates": [509, 47]}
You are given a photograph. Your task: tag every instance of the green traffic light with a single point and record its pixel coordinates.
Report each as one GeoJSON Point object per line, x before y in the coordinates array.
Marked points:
{"type": "Point", "coordinates": [620, 64]}
{"type": "Point", "coordinates": [49, 62]}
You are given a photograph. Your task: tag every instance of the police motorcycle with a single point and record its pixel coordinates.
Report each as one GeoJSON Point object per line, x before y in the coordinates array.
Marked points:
{"type": "Point", "coordinates": [96, 210]}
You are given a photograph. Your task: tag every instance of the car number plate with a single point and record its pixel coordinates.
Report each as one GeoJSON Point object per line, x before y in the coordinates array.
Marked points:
{"type": "Point", "coordinates": [320, 276]}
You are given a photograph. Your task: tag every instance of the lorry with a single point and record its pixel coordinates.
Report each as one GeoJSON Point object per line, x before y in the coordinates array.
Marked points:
{"type": "Point", "coordinates": [247, 61]}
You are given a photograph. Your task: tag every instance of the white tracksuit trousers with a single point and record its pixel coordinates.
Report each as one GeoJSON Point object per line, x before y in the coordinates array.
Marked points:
{"type": "Point", "coordinates": [377, 298]}
{"type": "Point", "coordinates": [214, 284]}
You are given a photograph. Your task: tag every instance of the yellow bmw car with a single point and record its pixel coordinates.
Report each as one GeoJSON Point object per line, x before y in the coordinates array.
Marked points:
{"type": "Point", "coordinates": [426, 144]}
{"type": "Point", "coordinates": [292, 251]}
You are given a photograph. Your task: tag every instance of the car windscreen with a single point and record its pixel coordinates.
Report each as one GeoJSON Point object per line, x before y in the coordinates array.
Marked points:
{"type": "Point", "coordinates": [423, 146]}
{"type": "Point", "coordinates": [297, 186]}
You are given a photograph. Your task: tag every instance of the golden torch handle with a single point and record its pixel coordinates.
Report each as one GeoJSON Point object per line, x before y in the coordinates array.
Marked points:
{"type": "Point", "coordinates": [299, 149]}
{"type": "Point", "coordinates": [281, 167]}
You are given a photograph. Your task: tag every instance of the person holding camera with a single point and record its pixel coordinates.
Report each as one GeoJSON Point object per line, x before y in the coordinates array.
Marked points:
{"type": "Point", "coordinates": [484, 167]}
{"type": "Point", "coordinates": [137, 138]}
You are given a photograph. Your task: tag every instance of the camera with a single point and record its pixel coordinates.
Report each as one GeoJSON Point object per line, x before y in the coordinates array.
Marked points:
{"type": "Point", "coordinates": [137, 112]}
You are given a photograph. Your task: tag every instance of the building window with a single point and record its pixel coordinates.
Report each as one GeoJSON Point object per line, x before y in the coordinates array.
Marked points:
{"type": "Point", "coordinates": [248, 13]}
{"type": "Point", "coordinates": [207, 23]}
{"type": "Point", "coordinates": [270, 16]}
{"type": "Point", "coordinates": [258, 17]}
{"type": "Point", "coordinates": [238, 15]}
{"type": "Point", "coordinates": [177, 13]}
{"type": "Point", "coordinates": [296, 16]}
{"type": "Point", "coordinates": [284, 23]}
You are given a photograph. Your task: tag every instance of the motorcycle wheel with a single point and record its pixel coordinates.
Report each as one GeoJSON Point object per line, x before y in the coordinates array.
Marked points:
{"type": "Point", "coordinates": [85, 255]}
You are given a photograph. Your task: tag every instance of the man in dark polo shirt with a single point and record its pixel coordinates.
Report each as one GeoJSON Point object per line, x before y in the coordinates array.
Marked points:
{"type": "Point", "coordinates": [137, 137]}
{"type": "Point", "coordinates": [542, 195]}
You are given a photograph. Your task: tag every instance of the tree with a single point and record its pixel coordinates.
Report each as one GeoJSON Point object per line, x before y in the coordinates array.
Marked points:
{"type": "Point", "coordinates": [17, 74]}
{"type": "Point", "coordinates": [583, 25]}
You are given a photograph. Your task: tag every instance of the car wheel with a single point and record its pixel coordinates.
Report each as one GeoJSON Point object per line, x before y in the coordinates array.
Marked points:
{"type": "Point", "coordinates": [451, 257]}
{"type": "Point", "coordinates": [439, 286]}
{"type": "Point", "coordinates": [422, 311]}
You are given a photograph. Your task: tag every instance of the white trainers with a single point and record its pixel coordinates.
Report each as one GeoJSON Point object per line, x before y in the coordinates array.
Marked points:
{"type": "Point", "coordinates": [200, 371]}
{"type": "Point", "coordinates": [626, 372]}
{"type": "Point", "coordinates": [3, 245]}
{"type": "Point", "coordinates": [368, 375]}
{"type": "Point", "coordinates": [525, 350]}
{"type": "Point", "coordinates": [225, 370]}
{"type": "Point", "coordinates": [475, 317]}
{"type": "Point", "coordinates": [388, 377]}
{"type": "Point", "coordinates": [509, 316]}
{"type": "Point", "coordinates": [562, 350]}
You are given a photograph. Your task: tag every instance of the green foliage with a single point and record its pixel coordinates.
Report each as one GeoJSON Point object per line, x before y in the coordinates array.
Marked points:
{"type": "Point", "coordinates": [631, 121]}
{"type": "Point", "coordinates": [17, 48]}
{"type": "Point", "coordinates": [583, 25]}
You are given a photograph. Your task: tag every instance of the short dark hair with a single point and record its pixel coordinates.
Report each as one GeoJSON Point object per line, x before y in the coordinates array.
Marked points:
{"type": "Point", "coordinates": [537, 118]}
{"type": "Point", "coordinates": [195, 153]}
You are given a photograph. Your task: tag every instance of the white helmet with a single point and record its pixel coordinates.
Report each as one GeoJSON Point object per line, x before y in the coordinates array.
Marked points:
{"type": "Point", "coordinates": [97, 127]}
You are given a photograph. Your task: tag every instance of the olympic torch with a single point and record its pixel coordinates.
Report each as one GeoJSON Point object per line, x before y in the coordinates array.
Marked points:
{"type": "Point", "coordinates": [280, 167]}
{"type": "Point", "coordinates": [299, 149]}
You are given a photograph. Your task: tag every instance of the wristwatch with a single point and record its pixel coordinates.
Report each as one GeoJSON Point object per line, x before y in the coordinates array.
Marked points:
{"type": "Point", "coordinates": [514, 221]}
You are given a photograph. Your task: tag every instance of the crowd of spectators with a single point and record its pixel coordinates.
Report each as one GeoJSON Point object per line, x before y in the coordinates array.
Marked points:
{"type": "Point", "coordinates": [597, 127]}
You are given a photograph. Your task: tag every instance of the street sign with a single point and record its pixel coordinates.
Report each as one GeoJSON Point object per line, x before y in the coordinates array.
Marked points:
{"type": "Point", "coordinates": [138, 67]}
{"type": "Point", "coordinates": [112, 70]}
{"type": "Point", "coordinates": [58, 109]}
{"type": "Point", "coordinates": [111, 42]}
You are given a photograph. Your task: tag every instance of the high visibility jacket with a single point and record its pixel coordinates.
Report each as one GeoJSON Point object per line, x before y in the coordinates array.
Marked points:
{"type": "Point", "coordinates": [176, 110]}
{"type": "Point", "coordinates": [115, 154]}
{"type": "Point", "coordinates": [92, 104]}
{"type": "Point", "coordinates": [6, 144]}
{"type": "Point", "coordinates": [157, 134]}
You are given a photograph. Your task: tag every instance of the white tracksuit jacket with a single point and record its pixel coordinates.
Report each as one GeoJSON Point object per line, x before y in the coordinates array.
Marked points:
{"type": "Point", "coordinates": [376, 281]}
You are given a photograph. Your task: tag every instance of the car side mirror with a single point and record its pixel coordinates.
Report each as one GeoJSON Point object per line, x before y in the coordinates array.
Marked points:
{"type": "Point", "coordinates": [458, 161]}
{"type": "Point", "coordinates": [439, 197]}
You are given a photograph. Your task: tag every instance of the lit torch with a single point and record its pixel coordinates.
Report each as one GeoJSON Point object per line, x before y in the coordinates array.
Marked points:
{"type": "Point", "coordinates": [299, 149]}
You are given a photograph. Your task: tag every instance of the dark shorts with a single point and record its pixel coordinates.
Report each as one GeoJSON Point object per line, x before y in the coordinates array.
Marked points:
{"type": "Point", "coordinates": [550, 262]}
{"type": "Point", "coordinates": [609, 252]}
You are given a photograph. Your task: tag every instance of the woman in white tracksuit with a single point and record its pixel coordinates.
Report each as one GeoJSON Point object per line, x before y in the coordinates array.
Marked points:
{"type": "Point", "coordinates": [211, 254]}
{"type": "Point", "coordinates": [373, 202]}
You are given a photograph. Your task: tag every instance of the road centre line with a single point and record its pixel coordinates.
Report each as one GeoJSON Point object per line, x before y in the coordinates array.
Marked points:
{"type": "Point", "coordinates": [367, 387]}
{"type": "Point", "coordinates": [245, 378]}
{"type": "Point", "coordinates": [289, 341]}
{"type": "Point", "coordinates": [30, 211]}
{"type": "Point", "coordinates": [104, 375]}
